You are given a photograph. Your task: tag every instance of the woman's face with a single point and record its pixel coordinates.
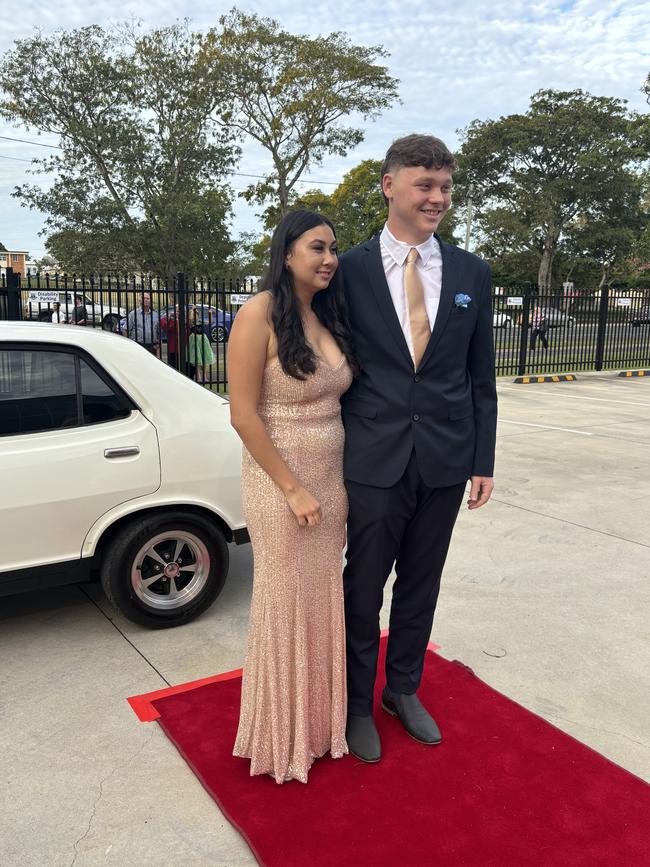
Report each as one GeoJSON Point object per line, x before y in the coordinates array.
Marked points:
{"type": "Point", "coordinates": [312, 259]}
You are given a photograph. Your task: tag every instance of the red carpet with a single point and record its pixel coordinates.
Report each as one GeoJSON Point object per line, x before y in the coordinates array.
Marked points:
{"type": "Point", "coordinates": [504, 789]}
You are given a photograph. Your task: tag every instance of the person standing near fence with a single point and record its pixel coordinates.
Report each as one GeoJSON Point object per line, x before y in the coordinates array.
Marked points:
{"type": "Point", "coordinates": [143, 326]}
{"type": "Point", "coordinates": [539, 328]}
{"type": "Point", "coordinates": [58, 318]}
{"type": "Point", "coordinates": [200, 356]}
{"type": "Point", "coordinates": [79, 313]}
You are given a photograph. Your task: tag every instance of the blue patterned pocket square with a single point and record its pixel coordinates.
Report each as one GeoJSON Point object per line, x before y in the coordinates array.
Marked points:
{"type": "Point", "coordinates": [462, 300]}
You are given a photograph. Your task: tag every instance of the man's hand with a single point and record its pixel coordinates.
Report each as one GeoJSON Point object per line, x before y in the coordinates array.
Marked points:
{"type": "Point", "coordinates": [480, 491]}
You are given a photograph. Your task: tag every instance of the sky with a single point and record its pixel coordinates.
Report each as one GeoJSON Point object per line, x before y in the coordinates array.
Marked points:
{"type": "Point", "coordinates": [456, 62]}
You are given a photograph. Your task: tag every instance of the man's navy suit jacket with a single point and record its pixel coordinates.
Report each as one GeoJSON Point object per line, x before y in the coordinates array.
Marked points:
{"type": "Point", "coordinates": [447, 409]}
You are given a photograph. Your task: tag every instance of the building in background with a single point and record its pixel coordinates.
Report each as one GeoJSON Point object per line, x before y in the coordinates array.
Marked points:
{"type": "Point", "coordinates": [16, 259]}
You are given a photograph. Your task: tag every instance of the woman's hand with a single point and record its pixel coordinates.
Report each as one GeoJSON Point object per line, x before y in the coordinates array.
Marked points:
{"type": "Point", "coordinates": [304, 507]}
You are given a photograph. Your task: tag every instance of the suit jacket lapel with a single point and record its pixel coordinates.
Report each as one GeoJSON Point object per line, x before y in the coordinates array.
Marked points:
{"type": "Point", "coordinates": [379, 286]}
{"type": "Point", "coordinates": [447, 295]}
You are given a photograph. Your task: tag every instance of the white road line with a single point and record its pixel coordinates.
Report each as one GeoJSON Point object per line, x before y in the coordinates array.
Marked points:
{"type": "Point", "coordinates": [546, 427]}
{"type": "Point", "coordinates": [549, 393]}
{"type": "Point", "coordinates": [604, 400]}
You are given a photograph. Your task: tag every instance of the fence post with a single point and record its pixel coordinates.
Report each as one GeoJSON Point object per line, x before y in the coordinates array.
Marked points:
{"type": "Point", "coordinates": [602, 322]}
{"type": "Point", "coordinates": [14, 307]}
{"type": "Point", "coordinates": [523, 335]}
{"type": "Point", "coordinates": [181, 300]}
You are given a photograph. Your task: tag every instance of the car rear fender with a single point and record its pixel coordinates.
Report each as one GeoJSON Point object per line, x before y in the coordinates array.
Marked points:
{"type": "Point", "coordinates": [117, 517]}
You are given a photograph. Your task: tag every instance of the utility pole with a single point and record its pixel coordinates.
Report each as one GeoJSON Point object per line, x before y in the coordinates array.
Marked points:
{"type": "Point", "coordinates": [468, 227]}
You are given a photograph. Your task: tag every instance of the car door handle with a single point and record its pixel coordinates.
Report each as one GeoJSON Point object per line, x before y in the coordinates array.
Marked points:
{"type": "Point", "coordinates": [123, 452]}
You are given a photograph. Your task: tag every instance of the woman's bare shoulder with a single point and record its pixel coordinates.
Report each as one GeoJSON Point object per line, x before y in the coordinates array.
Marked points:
{"type": "Point", "coordinates": [257, 308]}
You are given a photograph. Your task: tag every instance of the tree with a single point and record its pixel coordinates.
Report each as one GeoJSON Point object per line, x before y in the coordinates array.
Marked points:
{"type": "Point", "coordinates": [608, 240]}
{"type": "Point", "coordinates": [291, 93]}
{"type": "Point", "coordinates": [646, 88]}
{"type": "Point", "coordinates": [137, 178]}
{"type": "Point", "coordinates": [533, 174]}
{"type": "Point", "coordinates": [358, 206]}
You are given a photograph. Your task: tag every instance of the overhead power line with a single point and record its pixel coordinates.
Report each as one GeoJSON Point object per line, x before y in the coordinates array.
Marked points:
{"type": "Point", "coordinates": [232, 174]}
{"type": "Point", "coordinates": [17, 159]}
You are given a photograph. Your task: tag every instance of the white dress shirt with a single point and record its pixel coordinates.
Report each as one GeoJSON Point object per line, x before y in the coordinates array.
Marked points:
{"type": "Point", "coordinates": [429, 267]}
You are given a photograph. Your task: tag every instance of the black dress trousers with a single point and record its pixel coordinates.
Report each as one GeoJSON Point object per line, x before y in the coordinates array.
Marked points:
{"type": "Point", "coordinates": [408, 525]}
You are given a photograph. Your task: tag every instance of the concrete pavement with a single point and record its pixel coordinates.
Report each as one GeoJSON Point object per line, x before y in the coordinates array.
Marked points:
{"type": "Point", "coordinates": [546, 596]}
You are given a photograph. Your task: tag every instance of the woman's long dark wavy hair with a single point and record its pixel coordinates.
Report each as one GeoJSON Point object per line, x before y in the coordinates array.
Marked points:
{"type": "Point", "coordinates": [296, 356]}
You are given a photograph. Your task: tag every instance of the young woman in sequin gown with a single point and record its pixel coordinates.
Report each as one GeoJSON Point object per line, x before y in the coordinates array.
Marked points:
{"type": "Point", "coordinates": [289, 360]}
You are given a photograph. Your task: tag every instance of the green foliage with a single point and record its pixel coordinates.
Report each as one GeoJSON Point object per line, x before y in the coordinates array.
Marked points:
{"type": "Point", "coordinates": [137, 178]}
{"type": "Point", "coordinates": [542, 181]}
{"type": "Point", "coordinates": [291, 93]}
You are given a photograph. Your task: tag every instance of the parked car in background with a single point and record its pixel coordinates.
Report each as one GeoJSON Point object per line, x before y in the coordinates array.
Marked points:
{"type": "Point", "coordinates": [98, 313]}
{"type": "Point", "coordinates": [642, 317]}
{"type": "Point", "coordinates": [216, 322]}
{"type": "Point", "coordinates": [557, 318]}
{"type": "Point", "coordinates": [113, 465]}
{"type": "Point", "coordinates": [501, 320]}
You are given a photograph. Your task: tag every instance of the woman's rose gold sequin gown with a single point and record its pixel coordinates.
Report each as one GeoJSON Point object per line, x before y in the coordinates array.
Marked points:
{"type": "Point", "coordinates": [293, 706]}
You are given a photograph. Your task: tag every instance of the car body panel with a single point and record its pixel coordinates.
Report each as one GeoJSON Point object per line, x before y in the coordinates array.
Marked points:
{"type": "Point", "coordinates": [56, 483]}
{"type": "Point", "coordinates": [555, 317]}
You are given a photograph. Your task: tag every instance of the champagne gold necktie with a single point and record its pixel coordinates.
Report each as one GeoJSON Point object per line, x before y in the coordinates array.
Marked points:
{"type": "Point", "coordinates": [418, 319]}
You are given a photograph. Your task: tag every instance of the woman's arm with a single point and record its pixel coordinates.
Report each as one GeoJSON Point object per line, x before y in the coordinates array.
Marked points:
{"type": "Point", "coordinates": [248, 353]}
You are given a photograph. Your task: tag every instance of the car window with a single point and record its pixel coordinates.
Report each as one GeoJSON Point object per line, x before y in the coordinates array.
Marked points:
{"type": "Point", "coordinates": [100, 402]}
{"type": "Point", "coordinates": [39, 391]}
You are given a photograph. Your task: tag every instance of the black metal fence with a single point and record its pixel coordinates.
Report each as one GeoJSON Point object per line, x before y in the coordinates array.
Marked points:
{"type": "Point", "coordinates": [566, 332]}
{"type": "Point", "coordinates": [186, 322]}
{"type": "Point", "coordinates": [534, 333]}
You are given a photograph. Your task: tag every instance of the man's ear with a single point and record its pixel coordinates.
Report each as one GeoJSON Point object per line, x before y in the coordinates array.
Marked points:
{"type": "Point", "coordinates": [387, 185]}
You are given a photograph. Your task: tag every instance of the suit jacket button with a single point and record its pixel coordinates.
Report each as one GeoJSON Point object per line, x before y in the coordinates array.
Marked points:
{"type": "Point", "coordinates": [416, 379]}
{"type": "Point", "coordinates": [416, 417]}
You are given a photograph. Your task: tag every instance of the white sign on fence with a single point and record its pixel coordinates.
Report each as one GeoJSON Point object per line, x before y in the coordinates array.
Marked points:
{"type": "Point", "coordinates": [515, 301]}
{"type": "Point", "coordinates": [623, 302]}
{"type": "Point", "coordinates": [43, 296]}
{"type": "Point", "coordinates": [238, 300]}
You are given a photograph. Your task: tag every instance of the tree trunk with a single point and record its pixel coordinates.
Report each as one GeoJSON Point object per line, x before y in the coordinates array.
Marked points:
{"type": "Point", "coordinates": [283, 195]}
{"type": "Point", "coordinates": [545, 273]}
{"type": "Point", "coordinates": [604, 276]}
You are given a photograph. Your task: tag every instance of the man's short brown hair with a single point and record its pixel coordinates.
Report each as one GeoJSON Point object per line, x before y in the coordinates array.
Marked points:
{"type": "Point", "coordinates": [418, 150]}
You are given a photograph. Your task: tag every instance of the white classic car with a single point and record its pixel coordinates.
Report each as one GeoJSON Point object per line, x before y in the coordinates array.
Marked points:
{"type": "Point", "coordinates": [113, 465]}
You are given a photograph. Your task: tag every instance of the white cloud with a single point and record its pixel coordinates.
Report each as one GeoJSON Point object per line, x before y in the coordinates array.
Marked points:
{"type": "Point", "coordinates": [456, 62]}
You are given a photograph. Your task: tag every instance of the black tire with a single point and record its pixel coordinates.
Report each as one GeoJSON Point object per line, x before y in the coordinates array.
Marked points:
{"type": "Point", "coordinates": [111, 322]}
{"type": "Point", "coordinates": [129, 570]}
{"type": "Point", "coordinates": [218, 334]}
{"type": "Point", "coordinates": [44, 315]}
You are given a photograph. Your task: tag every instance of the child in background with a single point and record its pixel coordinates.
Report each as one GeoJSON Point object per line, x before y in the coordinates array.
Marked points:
{"type": "Point", "coordinates": [199, 352]}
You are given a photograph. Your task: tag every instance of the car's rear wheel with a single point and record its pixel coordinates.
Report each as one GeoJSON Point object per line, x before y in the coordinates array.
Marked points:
{"type": "Point", "coordinates": [166, 569]}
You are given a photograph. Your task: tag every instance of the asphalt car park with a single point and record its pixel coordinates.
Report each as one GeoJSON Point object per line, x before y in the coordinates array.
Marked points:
{"type": "Point", "coordinates": [545, 596]}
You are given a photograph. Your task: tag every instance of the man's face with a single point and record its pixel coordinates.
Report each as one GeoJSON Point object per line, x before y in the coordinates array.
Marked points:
{"type": "Point", "coordinates": [418, 199]}
{"type": "Point", "coordinates": [146, 300]}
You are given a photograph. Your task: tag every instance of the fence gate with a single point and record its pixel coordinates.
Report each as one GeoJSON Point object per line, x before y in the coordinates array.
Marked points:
{"type": "Point", "coordinates": [10, 304]}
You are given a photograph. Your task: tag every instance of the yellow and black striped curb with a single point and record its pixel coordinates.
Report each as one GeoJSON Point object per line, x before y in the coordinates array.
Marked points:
{"type": "Point", "coordinates": [634, 373]}
{"type": "Point", "coordinates": [555, 377]}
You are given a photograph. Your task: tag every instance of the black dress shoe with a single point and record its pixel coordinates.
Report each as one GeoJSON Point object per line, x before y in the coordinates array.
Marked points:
{"type": "Point", "coordinates": [413, 716]}
{"type": "Point", "coordinates": [363, 738]}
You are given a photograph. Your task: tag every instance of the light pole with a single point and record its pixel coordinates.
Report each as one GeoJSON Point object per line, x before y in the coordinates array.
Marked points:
{"type": "Point", "coordinates": [468, 226]}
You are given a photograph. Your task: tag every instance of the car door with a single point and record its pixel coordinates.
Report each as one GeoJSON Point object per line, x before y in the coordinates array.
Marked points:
{"type": "Point", "coordinates": [72, 446]}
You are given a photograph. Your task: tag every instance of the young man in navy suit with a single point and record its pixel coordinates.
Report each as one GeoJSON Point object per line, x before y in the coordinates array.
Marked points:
{"type": "Point", "coordinates": [419, 422]}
